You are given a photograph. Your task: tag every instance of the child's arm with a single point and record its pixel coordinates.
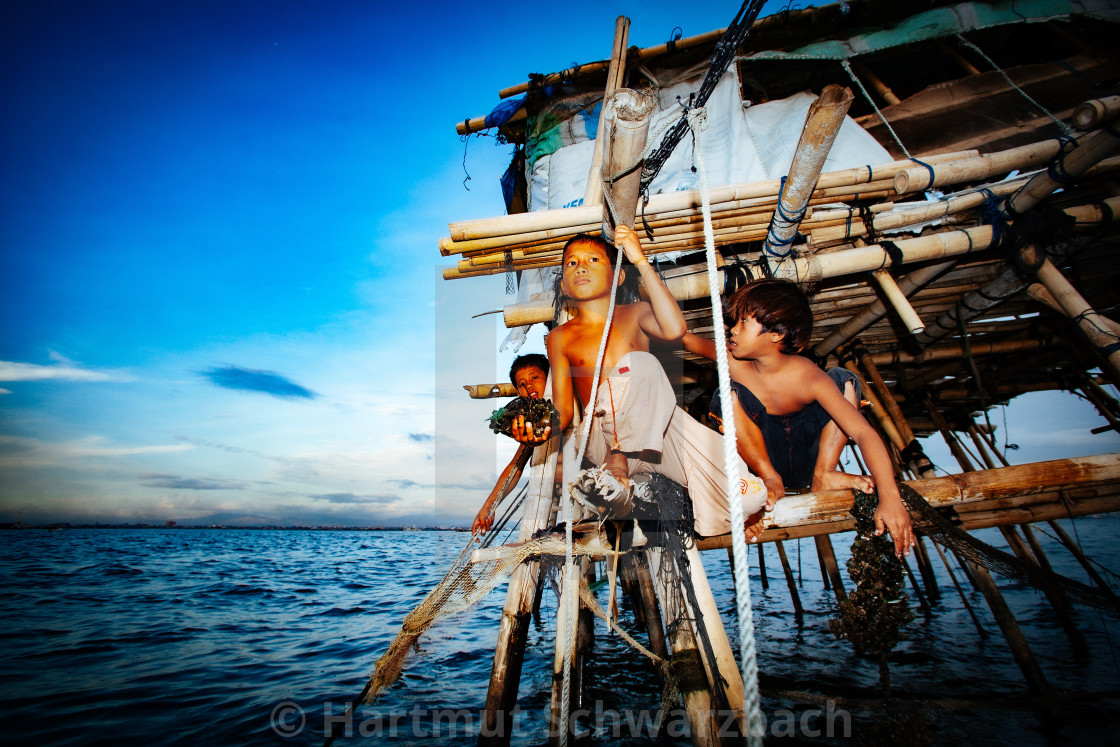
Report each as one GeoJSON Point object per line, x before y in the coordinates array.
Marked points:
{"type": "Point", "coordinates": [485, 518]}
{"type": "Point", "coordinates": [891, 515]}
{"type": "Point", "coordinates": [701, 346]}
{"type": "Point", "coordinates": [664, 320]}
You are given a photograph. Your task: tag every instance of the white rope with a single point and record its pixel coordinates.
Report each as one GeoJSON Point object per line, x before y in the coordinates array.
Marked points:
{"type": "Point", "coordinates": [569, 568]}
{"type": "Point", "coordinates": [698, 121]}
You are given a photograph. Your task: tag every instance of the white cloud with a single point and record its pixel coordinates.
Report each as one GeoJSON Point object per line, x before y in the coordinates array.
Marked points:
{"type": "Point", "coordinates": [62, 371]}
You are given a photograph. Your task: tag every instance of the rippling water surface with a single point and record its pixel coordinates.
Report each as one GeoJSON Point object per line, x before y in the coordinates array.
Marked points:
{"type": "Point", "coordinates": [231, 637]}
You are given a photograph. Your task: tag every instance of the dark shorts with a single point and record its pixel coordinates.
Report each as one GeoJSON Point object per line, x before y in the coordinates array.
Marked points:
{"type": "Point", "coordinates": [792, 441]}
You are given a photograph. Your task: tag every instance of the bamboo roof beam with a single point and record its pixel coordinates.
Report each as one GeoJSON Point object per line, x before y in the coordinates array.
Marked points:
{"type": "Point", "coordinates": [685, 200]}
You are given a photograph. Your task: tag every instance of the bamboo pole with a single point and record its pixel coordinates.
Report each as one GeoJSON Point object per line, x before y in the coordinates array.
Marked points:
{"type": "Point", "coordinates": [490, 391]}
{"type": "Point", "coordinates": [964, 598]}
{"type": "Point", "coordinates": [925, 568]}
{"type": "Point", "coordinates": [616, 72]}
{"type": "Point", "coordinates": [1070, 545]}
{"type": "Point", "coordinates": [979, 515]}
{"type": "Point", "coordinates": [1020, 649]}
{"type": "Point", "coordinates": [950, 439]}
{"type": "Point", "coordinates": [921, 463]}
{"type": "Point", "coordinates": [949, 352]}
{"type": "Point", "coordinates": [1091, 149]}
{"type": "Point", "coordinates": [628, 115]}
{"type": "Point", "coordinates": [509, 649]}
{"type": "Point", "coordinates": [655, 627]}
{"type": "Point", "coordinates": [898, 301]}
{"type": "Point", "coordinates": [1096, 112]}
{"type": "Point", "coordinates": [1077, 308]}
{"type": "Point", "coordinates": [966, 67]}
{"type": "Point", "coordinates": [875, 311]}
{"type": "Point", "coordinates": [822, 125]}
{"type": "Point", "coordinates": [1023, 158]}
{"type": "Point", "coordinates": [1058, 601]}
{"type": "Point", "coordinates": [877, 84]}
{"type": "Point", "coordinates": [725, 666]}
{"type": "Point", "coordinates": [597, 67]}
{"type": "Point", "coordinates": [829, 566]}
{"type": "Point", "coordinates": [685, 658]}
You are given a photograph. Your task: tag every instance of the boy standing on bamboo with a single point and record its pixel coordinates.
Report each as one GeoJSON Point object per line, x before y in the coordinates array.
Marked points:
{"type": "Point", "coordinates": [637, 427]}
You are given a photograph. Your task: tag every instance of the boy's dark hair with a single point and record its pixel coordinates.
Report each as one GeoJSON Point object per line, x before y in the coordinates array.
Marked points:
{"type": "Point", "coordinates": [536, 360]}
{"type": "Point", "coordinates": [627, 291]}
{"type": "Point", "coordinates": [585, 238]}
{"type": "Point", "coordinates": [779, 306]}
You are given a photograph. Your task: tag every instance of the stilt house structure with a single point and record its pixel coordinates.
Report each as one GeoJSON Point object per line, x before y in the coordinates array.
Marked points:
{"type": "Point", "coordinates": [940, 177]}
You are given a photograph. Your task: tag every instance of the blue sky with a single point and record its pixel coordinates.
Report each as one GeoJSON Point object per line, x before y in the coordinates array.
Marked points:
{"type": "Point", "coordinates": [218, 252]}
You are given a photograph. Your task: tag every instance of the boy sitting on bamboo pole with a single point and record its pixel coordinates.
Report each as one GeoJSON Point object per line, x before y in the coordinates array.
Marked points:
{"type": "Point", "coordinates": [529, 373]}
{"type": "Point", "coordinates": [792, 420]}
{"type": "Point", "coordinates": [637, 426]}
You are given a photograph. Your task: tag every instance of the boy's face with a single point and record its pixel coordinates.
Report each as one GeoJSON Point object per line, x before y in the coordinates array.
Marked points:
{"type": "Point", "coordinates": [587, 271]}
{"type": "Point", "coordinates": [530, 382]}
{"type": "Point", "coordinates": [747, 341]}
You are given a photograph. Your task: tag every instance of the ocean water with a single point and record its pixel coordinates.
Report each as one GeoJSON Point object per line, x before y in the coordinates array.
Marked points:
{"type": "Point", "coordinates": [247, 637]}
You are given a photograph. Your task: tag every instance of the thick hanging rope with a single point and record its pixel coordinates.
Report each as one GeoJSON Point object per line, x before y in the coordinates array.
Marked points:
{"type": "Point", "coordinates": [698, 121]}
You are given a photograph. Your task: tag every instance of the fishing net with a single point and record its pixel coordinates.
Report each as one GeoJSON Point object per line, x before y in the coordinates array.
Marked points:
{"type": "Point", "coordinates": [942, 525]}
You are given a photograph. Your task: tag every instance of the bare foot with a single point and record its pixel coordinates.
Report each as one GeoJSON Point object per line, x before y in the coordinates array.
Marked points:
{"type": "Point", "coordinates": [837, 480]}
{"type": "Point", "coordinates": [618, 467]}
{"type": "Point", "coordinates": [752, 527]}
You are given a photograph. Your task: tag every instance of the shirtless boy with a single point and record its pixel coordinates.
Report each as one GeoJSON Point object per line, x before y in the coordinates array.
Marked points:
{"type": "Point", "coordinates": [792, 420]}
{"type": "Point", "coordinates": [637, 426]}
{"type": "Point", "coordinates": [529, 373]}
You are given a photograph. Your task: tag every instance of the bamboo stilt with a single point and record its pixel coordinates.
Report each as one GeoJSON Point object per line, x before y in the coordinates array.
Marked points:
{"type": "Point", "coordinates": [964, 598]}
{"type": "Point", "coordinates": [828, 563]}
{"type": "Point", "coordinates": [790, 582]}
{"type": "Point", "coordinates": [1070, 545]}
{"type": "Point", "coordinates": [655, 627]}
{"type": "Point", "coordinates": [923, 605]}
{"type": "Point", "coordinates": [509, 649]}
{"type": "Point", "coordinates": [1020, 649]}
{"type": "Point", "coordinates": [762, 568]}
{"type": "Point", "coordinates": [947, 434]}
{"type": "Point", "coordinates": [686, 659]}
{"type": "Point", "coordinates": [1056, 598]}
{"type": "Point", "coordinates": [921, 463]}
{"type": "Point", "coordinates": [925, 569]}
{"type": "Point", "coordinates": [725, 666]}
{"type": "Point", "coordinates": [826, 579]}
